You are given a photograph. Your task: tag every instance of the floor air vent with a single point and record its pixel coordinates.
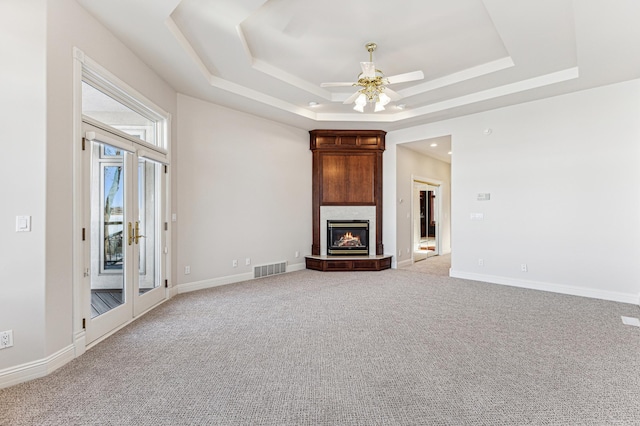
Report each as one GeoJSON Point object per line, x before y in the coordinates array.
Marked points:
{"type": "Point", "coordinates": [266, 270]}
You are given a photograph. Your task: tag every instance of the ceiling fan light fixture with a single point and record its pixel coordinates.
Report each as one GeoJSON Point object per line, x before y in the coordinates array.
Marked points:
{"type": "Point", "coordinates": [372, 83]}
{"type": "Point", "coordinates": [383, 98]}
{"type": "Point", "coordinates": [360, 102]}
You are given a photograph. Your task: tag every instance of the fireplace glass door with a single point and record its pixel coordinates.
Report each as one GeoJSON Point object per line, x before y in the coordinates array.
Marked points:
{"type": "Point", "coordinates": [348, 237]}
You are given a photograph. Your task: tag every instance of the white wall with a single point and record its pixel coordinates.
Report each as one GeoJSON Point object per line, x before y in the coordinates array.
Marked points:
{"type": "Point", "coordinates": [565, 192]}
{"type": "Point", "coordinates": [244, 191]}
{"type": "Point", "coordinates": [410, 164]}
{"type": "Point", "coordinates": [22, 192]}
{"type": "Point", "coordinates": [36, 106]}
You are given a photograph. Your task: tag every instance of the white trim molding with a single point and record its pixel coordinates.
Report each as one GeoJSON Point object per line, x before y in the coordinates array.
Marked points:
{"type": "Point", "coordinates": [402, 264]}
{"type": "Point", "coordinates": [550, 287]}
{"type": "Point", "coordinates": [35, 369]}
{"type": "Point", "coordinates": [230, 279]}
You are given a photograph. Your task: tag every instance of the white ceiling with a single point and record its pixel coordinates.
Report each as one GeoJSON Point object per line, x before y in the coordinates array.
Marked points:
{"type": "Point", "coordinates": [268, 58]}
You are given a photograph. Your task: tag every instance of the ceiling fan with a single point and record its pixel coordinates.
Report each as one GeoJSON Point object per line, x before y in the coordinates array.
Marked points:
{"type": "Point", "coordinates": [373, 84]}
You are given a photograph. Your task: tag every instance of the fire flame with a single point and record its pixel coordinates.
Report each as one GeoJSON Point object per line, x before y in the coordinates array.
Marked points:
{"type": "Point", "coordinates": [349, 240]}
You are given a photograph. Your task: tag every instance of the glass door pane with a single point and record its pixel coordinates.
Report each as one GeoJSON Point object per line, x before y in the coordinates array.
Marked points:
{"type": "Point", "coordinates": [432, 221]}
{"type": "Point", "coordinates": [108, 233]}
{"type": "Point", "coordinates": [148, 225]}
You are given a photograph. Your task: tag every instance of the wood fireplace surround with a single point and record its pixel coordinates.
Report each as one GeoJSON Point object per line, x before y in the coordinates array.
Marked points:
{"type": "Point", "coordinates": [347, 171]}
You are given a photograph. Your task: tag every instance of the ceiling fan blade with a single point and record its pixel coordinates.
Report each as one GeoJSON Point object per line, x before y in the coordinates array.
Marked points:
{"type": "Point", "coordinates": [352, 98]}
{"type": "Point", "coordinates": [395, 96]}
{"type": "Point", "coordinates": [368, 69]}
{"type": "Point", "coordinates": [335, 84]}
{"type": "Point", "coordinates": [403, 78]}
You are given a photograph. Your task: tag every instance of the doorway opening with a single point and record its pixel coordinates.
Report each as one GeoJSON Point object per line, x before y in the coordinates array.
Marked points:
{"type": "Point", "coordinates": [426, 219]}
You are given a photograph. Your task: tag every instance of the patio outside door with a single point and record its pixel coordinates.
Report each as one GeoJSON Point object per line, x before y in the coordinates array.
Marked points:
{"type": "Point", "coordinates": [123, 240]}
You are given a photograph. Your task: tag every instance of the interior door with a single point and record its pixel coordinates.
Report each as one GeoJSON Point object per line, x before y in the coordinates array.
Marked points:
{"type": "Point", "coordinates": [426, 220]}
{"type": "Point", "coordinates": [123, 264]}
{"type": "Point", "coordinates": [431, 220]}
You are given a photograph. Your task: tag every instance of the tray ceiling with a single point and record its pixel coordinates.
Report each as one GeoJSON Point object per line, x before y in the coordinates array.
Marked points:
{"type": "Point", "coordinates": [268, 58]}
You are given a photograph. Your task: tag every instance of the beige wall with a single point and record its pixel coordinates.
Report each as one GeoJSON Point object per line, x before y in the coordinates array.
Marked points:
{"type": "Point", "coordinates": [36, 274]}
{"type": "Point", "coordinates": [565, 192]}
{"type": "Point", "coordinates": [244, 191]}
{"type": "Point", "coordinates": [23, 177]}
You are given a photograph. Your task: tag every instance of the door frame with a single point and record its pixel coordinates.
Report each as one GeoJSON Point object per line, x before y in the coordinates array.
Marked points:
{"type": "Point", "coordinates": [134, 302]}
{"type": "Point", "coordinates": [415, 179]}
{"type": "Point", "coordinates": [84, 65]}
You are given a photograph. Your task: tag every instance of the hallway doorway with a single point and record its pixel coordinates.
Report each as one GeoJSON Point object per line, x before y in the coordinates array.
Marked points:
{"type": "Point", "coordinates": [426, 212]}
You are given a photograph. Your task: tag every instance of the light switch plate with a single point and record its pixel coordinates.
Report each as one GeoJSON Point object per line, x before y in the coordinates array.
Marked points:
{"type": "Point", "coordinates": [23, 223]}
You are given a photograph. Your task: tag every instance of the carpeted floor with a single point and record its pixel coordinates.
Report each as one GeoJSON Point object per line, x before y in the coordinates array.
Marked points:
{"type": "Point", "coordinates": [435, 265]}
{"type": "Point", "coordinates": [370, 348]}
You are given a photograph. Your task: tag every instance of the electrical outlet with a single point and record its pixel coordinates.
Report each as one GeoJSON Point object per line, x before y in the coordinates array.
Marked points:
{"type": "Point", "coordinates": [234, 263]}
{"type": "Point", "coordinates": [297, 254]}
{"type": "Point", "coordinates": [247, 261]}
{"type": "Point", "coordinates": [187, 270]}
{"type": "Point", "coordinates": [480, 262]}
{"type": "Point", "coordinates": [6, 339]}
{"type": "Point", "coordinates": [523, 267]}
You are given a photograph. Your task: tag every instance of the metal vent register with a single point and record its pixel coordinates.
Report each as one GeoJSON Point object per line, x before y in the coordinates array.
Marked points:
{"type": "Point", "coordinates": [272, 269]}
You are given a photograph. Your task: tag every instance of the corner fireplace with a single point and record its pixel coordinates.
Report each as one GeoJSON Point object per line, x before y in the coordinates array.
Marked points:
{"type": "Point", "coordinates": [347, 237]}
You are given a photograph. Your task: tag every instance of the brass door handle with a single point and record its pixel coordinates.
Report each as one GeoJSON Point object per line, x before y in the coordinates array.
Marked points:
{"type": "Point", "coordinates": [130, 234]}
{"type": "Point", "coordinates": [137, 235]}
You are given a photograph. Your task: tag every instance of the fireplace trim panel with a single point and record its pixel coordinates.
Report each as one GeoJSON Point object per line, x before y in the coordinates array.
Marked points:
{"type": "Point", "coordinates": [347, 174]}
{"type": "Point", "coordinates": [347, 171]}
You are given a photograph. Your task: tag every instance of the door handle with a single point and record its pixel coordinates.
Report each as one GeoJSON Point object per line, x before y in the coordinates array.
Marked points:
{"type": "Point", "coordinates": [130, 234]}
{"type": "Point", "coordinates": [137, 235]}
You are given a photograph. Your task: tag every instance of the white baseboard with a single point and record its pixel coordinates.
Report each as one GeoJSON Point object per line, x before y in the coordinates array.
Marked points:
{"type": "Point", "coordinates": [173, 291]}
{"type": "Point", "coordinates": [231, 279]}
{"type": "Point", "coordinates": [296, 267]}
{"type": "Point", "coordinates": [404, 263]}
{"type": "Point", "coordinates": [80, 343]}
{"type": "Point", "coordinates": [33, 370]}
{"type": "Point", "coordinates": [550, 287]}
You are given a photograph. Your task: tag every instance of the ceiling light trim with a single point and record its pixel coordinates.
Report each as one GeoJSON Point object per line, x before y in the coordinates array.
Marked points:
{"type": "Point", "coordinates": [229, 86]}
{"type": "Point", "coordinates": [290, 79]}
{"type": "Point", "coordinates": [187, 47]}
{"type": "Point", "coordinates": [496, 92]}
{"type": "Point", "coordinates": [500, 91]}
{"type": "Point", "coordinates": [277, 73]}
{"type": "Point", "coordinates": [459, 77]}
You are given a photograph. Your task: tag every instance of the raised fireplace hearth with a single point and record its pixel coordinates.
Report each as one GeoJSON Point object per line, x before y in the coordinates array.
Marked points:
{"type": "Point", "coordinates": [347, 237]}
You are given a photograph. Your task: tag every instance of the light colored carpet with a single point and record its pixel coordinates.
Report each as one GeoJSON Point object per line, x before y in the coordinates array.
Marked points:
{"type": "Point", "coordinates": [369, 348]}
{"type": "Point", "coordinates": [435, 265]}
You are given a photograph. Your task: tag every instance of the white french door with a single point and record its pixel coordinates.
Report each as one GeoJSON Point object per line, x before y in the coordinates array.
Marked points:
{"type": "Point", "coordinates": [123, 234]}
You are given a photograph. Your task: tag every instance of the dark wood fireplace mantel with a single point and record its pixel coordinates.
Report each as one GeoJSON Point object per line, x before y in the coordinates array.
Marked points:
{"type": "Point", "coordinates": [347, 171]}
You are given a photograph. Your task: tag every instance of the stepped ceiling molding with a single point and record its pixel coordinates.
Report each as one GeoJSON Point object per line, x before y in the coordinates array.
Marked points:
{"type": "Point", "coordinates": [268, 58]}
